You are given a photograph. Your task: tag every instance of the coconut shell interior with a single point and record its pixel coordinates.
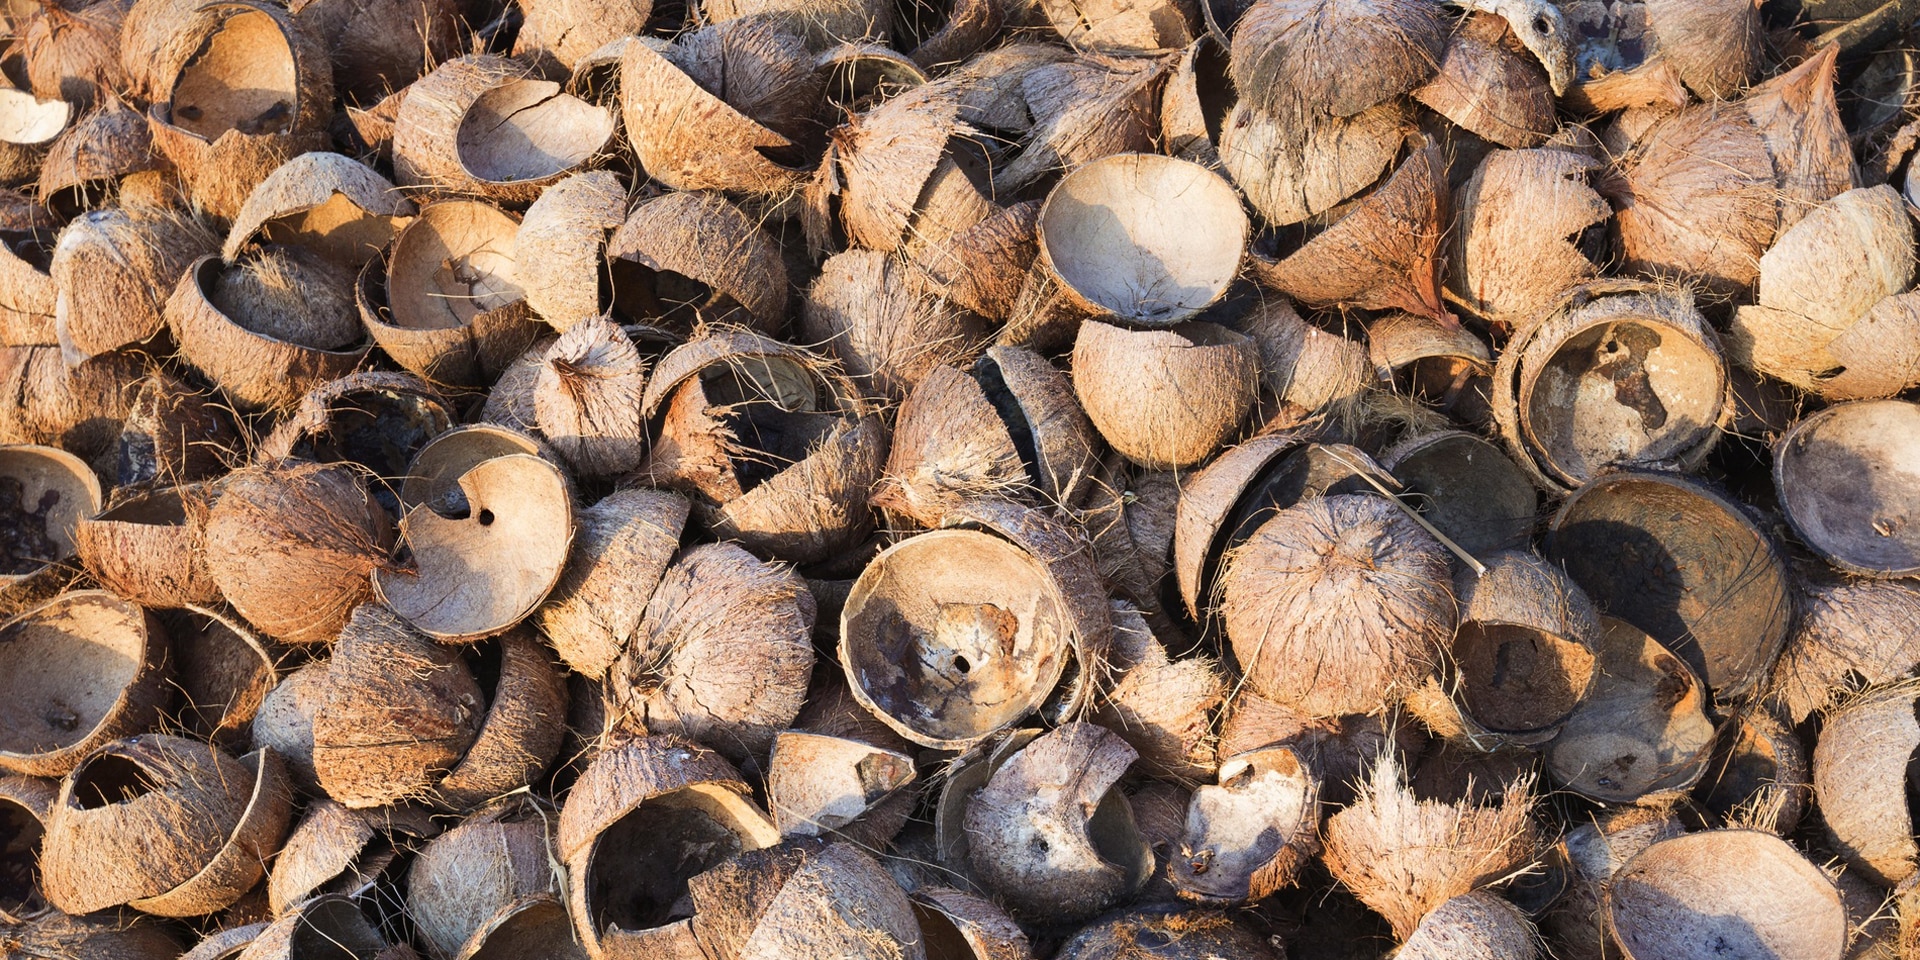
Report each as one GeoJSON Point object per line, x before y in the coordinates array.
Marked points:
{"type": "Point", "coordinates": [377, 426]}
{"type": "Point", "coordinates": [1518, 678]}
{"type": "Point", "coordinates": [638, 868]}
{"type": "Point", "coordinates": [64, 669]}
{"type": "Point", "coordinates": [530, 129]}
{"type": "Point", "coordinates": [1467, 487]}
{"type": "Point", "coordinates": [452, 264]}
{"type": "Point", "coordinates": [1725, 893]}
{"type": "Point", "coordinates": [434, 475]}
{"type": "Point", "coordinates": [23, 811]}
{"type": "Point", "coordinates": [44, 494]}
{"type": "Point", "coordinates": [243, 79]}
{"type": "Point", "coordinates": [289, 294]}
{"type": "Point", "coordinates": [817, 784]}
{"type": "Point", "coordinates": [1642, 728]}
{"type": "Point", "coordinates": [223, 670]}
{"type": "Point", "coordinates": [532, 927]}
{"type": "Point", "coordinates": [27, 120]}
{"type": "Point", "coordinates": [1847, 477]}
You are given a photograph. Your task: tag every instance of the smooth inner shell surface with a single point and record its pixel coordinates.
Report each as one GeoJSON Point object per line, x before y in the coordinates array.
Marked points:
{"type": "Point", "coordinates": [452, 264]}
{"type": "Point", "coordinates": [1849, 480]}
{"type": "Point", "coordinates": [1617, 392]}
{"type": "Point", "coordinates": [63, 667]}
{"type": "Point", "coordinates": [1726, 893]}
{"type": "Point", "coordinates": [529, 130]}
{"type": "Point", "coordinates": [245, 80]}
{"type": "Point", "coordinates": [1642, 727]}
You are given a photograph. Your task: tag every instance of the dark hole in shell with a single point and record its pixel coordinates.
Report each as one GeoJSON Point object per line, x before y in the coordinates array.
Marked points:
{"type": "Point", "coordinates": [637, 876]}
{"type": "Point", "coordinates": [107, 780]}
{"type": "Point", "coordinates": [24, 543]}
{"type": "Point", "coordinates": [20, 834]}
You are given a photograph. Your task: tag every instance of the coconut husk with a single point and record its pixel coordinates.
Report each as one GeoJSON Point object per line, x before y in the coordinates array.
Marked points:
{"type": "Point", "coordinates": [863, 75]}
{"type": "Point", "coordinates": [563, 235]}
{"type": "Point", "coordinates": [325, 202]}
{"type": "Point", "coordinates": [111, 271]}
{"type": "Point", "coordinates": [1358, 616]}
{"type": "Point", "coordinates": [949, 445]}
{"type": "Point", "coordinates": [434, 474]}
{"type": "Point", "coordinates": [1289, 176]}
{"type": "Point", "coordinates": [1196, 103]}
{"type": "Point", "coordinates": [982, 268]}
{"type": "Point", "coordinates": [1799, 118]}
{"type": "Point", "coordinates": [1310, 373]}
{"type": "Point", "coordinates": [970, 25]}
{"type": "Point", "coordinates": [149, 548]}
{"type": "Point", "coordinates": [1059, 789]}
{"type": "Point", "coordinates": [907, 175]}
{"type": "Point", "coordinates": [26, 288]}
{"type": "Point", "coordinates": [801, 896]}
{"type": "Point", "coordinates": [992, 98]}
{"type": "Point", "coordinates": [1679, 213]}
{"type": "Point", "coordinates": [1128, 515]}
{"type": "Point", "coordinates": [1384, 254]}
{"type": "Point", "coordinates": [290, 295]}
{"type": "Point", "coordinates": [1540, 200]}
{"type": "Point", "coordinates": [1288, 55]}
{"type": "Point", "coordinates": [1759, 775]}
{"type": "Point", "coordinates": [1859, 779]}
{"type": "Point", "coordinates": [455, 312]}
{"type": "Point", "coordinates": [1847, 632]}
{"type": "Point", "coordinates": [83, 669]}
{"type": "Point", "coordinates": [1743, 889]}
{"type": "Point", "coordinates": [1468, 489]}
{"type": "Point", "coordinates": [1164, 708]}
{"type": "Point", "coordinates": [292, 547]}
{"type": "Point", "coordinates": [1168, 933]}
{"type": "Point", "coordinates": [1473, 926]}
{"type": "Point", "coordinates": [621, 549]}
{"type": "Point", "coordinates": [399, 712]}
{"type": "Point", "coordinates": [511, 403]}
{"type": "Point", "coordinates": [674, 120]}
{"type": "Point", "coordinates": [333, 924]}
{"type": "Point", "coordinates": [1160, 811]}
{"type": "Point", "coordinates": [72, 52]}
{"type": "Point", "coordinates": [1121, 29]}
{"type": "Point", "coordinates": [81, 408]}
{"type": "Point", "coordinates": [1595, 849]}
{"type": "Point", "coordinates": [1489, 88]}
{"type": "Point", "coordinates": [28, 129]}
{"type": "Point", "coordinates": [335, 851]}
{"type": "Point", "coordinates": [723, 652]}
{"type": "Point", "coordinates": [586, 398]}
{"type": "Point", "coordinates": [24, 805]}
{"type": "Point", "coordinates": [224, 673]}
{"type": "Point", "coordinates": [531, 925]}
{"type": "Point", "coordinates": [887, 330]}
{"type": "Point", "coordinates": [257, 371]}
{"type": "Point", "coordinates": [1576, 393]}
{"type": "Point", "coordinates": [1642, 728]}
{"type": "Point", "coordinates": [685, 260]}
{"type": "Point", "coordinates": [524, 726]}
{"type": "Point", "coordinates": [819, 785]}
{"type": "Point", "coordinates": [478, 574]}
{"type": "Point", "coordinates": [1165, 398]}
{"type": "Point", "coordinates": [963, 926]}
{"type": "Point", "coordinates": [1714, 46]}
{"type": "Point", "coordinates": [821, 23]}
{"type": "Point", "coordinates": [1859, 533]}
{"type": "Point", "coordinates": [370, 130]}
{"type": "Point", "coordinates": [284, 722]}
{"type": "Point", "coordinates": [645, 817]}
{"type": "Point", "coordinates": [1525, 648]}
{"type": "Point", "coordinates": [1866, 360]}
{"type": "Point", "coordinates": [1251, 832]}
{"type": "Point", "coordinates": [119, 935]}
{"type": "Point", "coordinates": [500, 854]}
{"type": "Point", "coordinates": [84, 166]}
{"type": "Point", "coordinates": [378, 48]}
{"type": "Point", "coordinates": [147, 41]}
{"type": "Point", "coordinates": [226, 944]}
{"type": "Point", "coordinates": [444, 134]}
{"type": "Point", "coordinates": [375, 419]}
{"type": "Point", "coordinates": [1085, 109]}
{"type": "Point", "coordinates": [1685, 564]}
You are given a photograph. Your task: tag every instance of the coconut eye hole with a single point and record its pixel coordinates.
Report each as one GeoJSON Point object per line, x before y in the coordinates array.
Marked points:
{"type": "Point", "coordinates": [1543, 26]}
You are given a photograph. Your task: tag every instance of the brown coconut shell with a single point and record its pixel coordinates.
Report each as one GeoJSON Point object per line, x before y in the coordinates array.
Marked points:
{"type": "Point", "coordinates": [454, 311]}
{"type": "Point", "coordinates": [1524, 652]}
{"type": "Point", "coordinates": [1859, 779]}
{"type": "Point", "coordinates": [500, 854]}
{"type": "Point", "coordinates": [1595, 849]}
{"type": "Point", "coordinates": [26, 289]}
{"type": "Point", "coordinates": [1467, 487]}
{"type": "Point", "coordinates": [1287, 54]}
{"type": "Point", "coordinates": [1473, 926]}
{"type": "Point", "coordinates": [1338, 605]}
{"type": "Point", "coordinates": [175, 433]}
{"type": "Point", "coordinates": [568, 35]}
{"type": "Point", "coordinates": [1490, 86]}
{"type": "Point", "coordinates": [1714, 46]}
{"type": "Point", "coordinates": [1165, 398]}
{"type": "Point", "coordinates": [325, 202]}
{"type": "Point", "coordinates": [645, 817]}
{"type": "Point", "coordinates": [111, 272]}
{"type": "Point", "coordinates": [1129, 519]}
{"type": "Point", "coordinates": [587, 398]}
{"type": "Point", "coordinates": [292, 547]}
{"type": "Point", "coordinates": [381, 47]}
{"type": "Point", "coordinates": [511, 402]}
{"type": "Point", "coordinates": [224, 673]}
{"type": "Point", "coordinates": [434, 475]}
{"type": "Point", "coordinates": [1164, 708]}
{"type": "Point", "coordinates": [563, 235]}
{"type": "Point", "coordinates": [289, 294]}
{"type": "Point", "coordinates": [335, 851]}
{"type": "Point", "coordinates": [1683, 563]}
{"type": "Point", "coordinates": [969, 26]}
{"type": "Point", "coordinates": [1847, 632]}
{"type": "Point", "coordinates": [1051, 812]}
{"type": "Point", "coordinates": [803, 896]}
{"type": "Point", "coordinates": [1290, 174]}
{"type": "Point", "coordinates": [284, 721]}
{"type": "Point", "coordinates": [374, 419]}
{"type": "Point", "coordinates": [685, 260]}
{"type": "Point", "coordinates": [1310, 373]}
{"type": "Point", "coordinates": [1618, 374]}
{"type": "Point", "coordinates": [1799, 117]}
{"type": "Point", "coordinates": [151, 548]}
{"type": "Point", "coordinates": [1862, 532]}
{"type": "Point", "coordinates": [80, 408]}
{"type": "Point", "coordinates": [256, 370]}
{"type": "Point", "coordinates": [621, 549]}
{"type": "Point", "coordinates": [961, 926]}
{"type": "Point", "coordinates": [46, 493]}
{"type": "Point", "coordinates": [819, 785]}
{"type": "Point", "coordinates": [674, 120]}
{"type": "Point", "coordinates": [90, 158]}
{"type": "Point", "coordinates": [28, 129]}
{"type": "Point", "coordinates": [1760, 775]}
{"type": "Point", "coordinates": [447, 140]}
{"type": "Point", "coordinates": [723, 652]}
{"type": "Point", "coordinates": [1679, 213]}
{"type": "Point", "coordinates": [1642, 728]}
{"type": "Point", "coordinates": [1721, 890]}
{"type": "Point", "coordinates": [399, 712]}
{"type": "Point", "coordinates": [1085, 109]}
{"type": "Point", "coordinates": [1434, 363]}
{"type": "Point", "coordinates": [185, 828]}
{"type": "Point", "coordinates": [832, 712]}
{"type": "Point", "coordinates": [877, 317]}
{"type": "Point", "coordinates": [976, 666]}
{"type": "Point", "coordinates": [1123, 29]}
{"type": "Point", "coordinates": [1197, 101]}
{"type": "Point", "coordinates": [524, 725]}
{"type": "Point", "coordinates": [333, 924]}
{"type": "Point", "coordinates": [82, 670]}
{"type": "Point", "coordinates": [1541, 200]}
{"type": "Point", "coordinates": [902, 176]}
{"type": "Point", "coordinates": [1166, 933]}
{"type": "Point", "coordinates": [536, 925]}
{"type": "Point", "coordinates": [982, 268]}
{"type": "Point", "coordinates": [24, 805]}
{"type": "Point", "coordinates": [1251, 832]}
{"type": "Point", "coordinates": [72, 52]}
{"type": "Point", "coordinates": [120, 935]}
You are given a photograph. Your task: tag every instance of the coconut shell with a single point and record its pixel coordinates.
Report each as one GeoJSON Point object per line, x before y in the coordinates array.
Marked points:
{"type": "Point", "coordinates": [1337, 605]}
{"type": "Point", "coordinates": [568, 34]}
{"type": "Point", "coordinates": [224, 673]}
{"type": "Point", "coordinates": [1722, 890]}
{"type": "Point", "coordinates": [723, 652]}
{"type": "Point", "coordinates": [1050, 813]}
{"type": "Point", "coordinates": [1540, 200]}
{"type": "Point", "coordinates": [71, 52]}
{"type": "Point", "coordinates": [444, 135]}
{"type": "Point", "coordinates": [524, 726]}
{"type": "Point", "coordinates": [1683, 563]}
{"type": "Point", "coordinates": [1473, 926]}
{"type": "Point", "coordinates": [1123, 29]}
{"type": "Point", "coordinates": [1250, 833]}
{"type": "Point", "coordinates": [949, 445]}
{"type": "Point", "coordinates": [455, 312]}
{"type": "Point", "coordinates": [1525, 648]}
{"type": "Point", "coordinates": [292, 546]}
{"type": "Point", "coordinates": [1289, 175]}
{"type": "Point", "coordinates": [24, 805]}
{"type": "Point", "coordinates": [82, 670]}
{"type": "Point", "coordinates": [1714, 46]}
{"type": "Point", "coordinates": [563, 236]}
{"type": "Point", "coordinates": [1860, 532]}
{"type": "Point", "coordinates": [1759, 775]}
{"type": "Point", "coordinates": [511, 402]}
{"type": "Point", "coordinates": [333, 205]}
{"type": "Point", "coordinates": [1596, 849]}
{"type": "Point", "coordinates": [1288, 55]}
{"type": "Point", "coordinates": [111, 271]}
{"type": "Point", "coordinates": [982, 268]}
{"type": "Point", "coordinates": [226, 944]}
{"type": "Point", "coordinates": [291, 295]}
{"type": "Point", "coordinates": [284, 721]}
{"type": "Point", "coordinates": [334, 850]}
{"type": "Point", "coordinates": [399, 712]}
{"type": "Point", "coordinates": [685, 260]}
{"type": "Point", "coordinates": [256, 371]}
{"type": "Point", "coordinates": [1310, 373]}
{"type": "Point", "coordinates": [175, 433]}
{"type": "Point", "coordinates": [674, 122]}
{"type": "Point", "coordinates": [961, 926]}
{"type": "Point", "coordinates": [1167, 933]}
{"type": "Point", "coordinates": [374, 419]}
{"type": "Point", "coordinates": [1086, 109]}
{"type": "Point", "coordinates": [819, 785]}
{"type": "Point", "coordinates": [100, 149]}
{"type": "Point", "coordinates": [1129, 518]}
{"type": "Point", "coordinates": [1642, 728]}
{"type": "Point", "coordinates": [1490, 87]}
{"type": "Point", "coordinates": [1799, 117]}
{"type": "Point", "coordinates": [1848, 631]}
{"type": "Point", "coordinates": [884, 167]}
{"type": "Point", "coordinates": [645, 817]}
{"type": "Point", "coordinates": [46, 493]}
{"type": "Point", "coordinates": [1197, 100]}
{"type": "Point", "coordinates": [952, 845]}
{"type": "Point", "coordinates": [121, 935]}
{"type": "Point", "coordinates": [26, 289]}
{"type": "Point", "coordinates": [801, 897]}
{"type": "Point", "coordinates": [461, 878]}
{"type": "Point", "coordinates": [620, 552]}
{"type": "Point", "coordinates": [587, 398]}
{"type": "Point", "coordinates": [1618, 374]}
{"type": "Point", "coordinates": [970, 26]}
{"type": "Point", "coordinates": [1165, 398]}
{"type": "Point", "coordinates": [1467, 488]}
{"type": "Point", "coordinates": [80, 409]}
{"type": "Point", "coordinates": [381, 47]}
{"type": "Point", "coordinates": [873, 313]}
{"type": "Point", "coordinates": [536, 925]}
{"type": "Point", "coordinates": [1859, 779]}
{"type": "Point", "coordinates": [150, 548]}
{"type": "Point", "coordinates": [332, 924]}
{"type": "Point", "coordinates": [1164, 708]}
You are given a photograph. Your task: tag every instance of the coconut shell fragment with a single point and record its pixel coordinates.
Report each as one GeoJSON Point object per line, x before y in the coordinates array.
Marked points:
{"type": "Point", "coordinates": [1865, 530]}
{"type": "Point", "coordinates": [112, 270]}
{"type": "Point", "coordinates": [1164, 707]}
{"type": "Point", "coordinates": [326, 202]}
{"type": "Point", "coordinates": [336, 851]}
{"type": "Point", "coordinates": [24, 805]}
{"type": "Point", "coordinates": [1540, 199]}
{"type": "Point", "coordinates": [1166, 933]}
{"type": "Point", "coordinates": [1287, 54]}
{"type": "Point", "coordinates": [621, 548]}
{"type": "Point", "coordinates": [1725, 890]}
{"type": "Point", "coordinates": [1466, 486]}
{"type": "Point", "coordinates": [1165, 398]}
{"type": "Point", "coordinates": [224, 672]}
{"type": "Point", "coordinates": [563, 234]}
{"type": "Point", "coordinates": [1473, 926]}
{"type": "Point", "coordinates": [819, 785]}
{"type": "Point", "coordinates": [1525, 650]}
{"type": "Point", "coordinates": [493, 859]}
{"type": "Point", "coordinates": [1849, 631]}
{"type": "Point", "coordinates": [685, 260]}
{"type": "Point", "coordinates": [81, 670]}
{"type": "Point", "coordinates": [1250, 833]}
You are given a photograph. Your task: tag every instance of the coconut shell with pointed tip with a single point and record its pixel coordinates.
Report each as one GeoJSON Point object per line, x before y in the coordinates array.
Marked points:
{"type": "Point", "coordinates": [111, 271]}
{"type": "Point", "coordinates": [498, 855]}
{"type": "Point", "coordinates": [1467, 487]}
{"type": "Point", "coordinates": [1165, 398]}
{"type": "Point", "coordinates": [1642, 728]}
{"type": "Point", "coordinates": [557, 251]}
{"type": "Point", "coordinates": [889, 332]}
{"type": "Point", "coordinates": [983, 267]}
{"type": "Point", "coordinates": [1295, 59]}
{"type": "Point", "coordinates": [331, 204]}
{"type": "Point", "coordinates": [1473, 926]}
{"type": "Point", "coordinates": [81, 670]}
{"type": "Point", "coordinates": [71, 51]}
{"type": "Point", "coordinates": [587, 398]}
{"type": "Point", "coordinates": [255, 370]}
{"type": "Point", "coordinates": [224, 672]}
{"type": "Point", "coordinates": [1864, 531]}
{"type": "Point", "coordinates": [685, 260]}
{"type": "Point", "coordinates": [150, 548]}
{"type": "Point", "coordinates": [1490, 89]}
{"type": "Point", "coordinates": [1540, 200]}
{"type": "Point", "coordinates": [688, 137]}
{"type": "Point", "coordinates": [1311, 373]}
{"type": "Point", "coordinates": [24, 805]}
{"type": "Point", "coordinates": [1725, 891]}
{"type": "Point", "coordinates": [334, 850]}
{"type": "Point", "coordinates": [1251, 832]}
{"type": "Point", "coordinates": [1799, 117]}
{"type": "Point", "coordinates": [620, 551]}
{"type": "Point", "coordinates": [888, 167]}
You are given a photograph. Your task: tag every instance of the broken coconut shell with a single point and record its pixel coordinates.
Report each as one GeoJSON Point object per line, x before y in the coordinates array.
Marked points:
{"type": "Point", "coordinates": [984, 267]}
{"type": "Point", "coordinates": [284, 721]}
{"type": "Point", "coordinates": [1084, 110]}
{"type": "Point", "coordinates": [1848, 633]}
{"type": "Point", "coordinates": [233, 343]}
{"type": "Point", "coordinates": [1725, 890]}
{"type": "Point", "coordinates": [1642, 728]}
{"type": "Point", "coordinates": [334, 850]}
{"type": "Point", "coordinates": [569, 35]}
{"type": "Point", "coordinates": [1251, 832]}
{"type": "Point", "coordinates": [28, 130]}
{"type": "Point", "coordinates": [373, 419]}
{"type": "Point", "coordinates": [903, 176]}
{"type": "Point", "coordinates": [455, 313]}
{"type": "Point", "coordinates": [331, 925]}
{"type": "Point", "coordinates": [150, 548]}
{"type": "Point", "coordinates": [1799, 117]}
{"type": "Point", "coordinates": [1861, 527]}
{"type": "Point", "coordinates": [111, 271]}
{"type": "Point", "coordinates": [24, 805]}
{"type": "Point", "coordinates": [325, 202]}
{"type": "Point", "coordinates": [81, 670]}
{"type": "Point", "coordinates": [1165, 398]}
{"type": "Point", "coordinates": [1467, 487]}
{"type": "Point", "coordinates": [621, 548]}
{"type": "Point", "coordinates": [557, 251]}
{"type": "Point", "coordinates": [449, 140]}
{"type": "Point", "coordinates": [531, 925]}
{"type": "Point", "coordinates": [586, 398]}
{"type": "Point", "coordinates": [1860, 780]}
{"type": "Point", "coordinates": [116, 935]}
{"type": "Point", "coordinates": [224, 673]}
{"type": "Point", "coordinates": [961, 926]}
{"type": "Point", "coordinates": [1759, 775]}
{"type": "Point", "coordinates": [45, 493]}
{"type": "Point", "coordinates": [686, 260]}
{"type": "Point", "coordinates": [1540, 200]}
{"type": "Point", "coordinates": [524, 725]}
{"type": "Point", "coordinates": [1165, 708]}
{"type": "Point", "coordinates": [175, 433]}
{"type": "Point", "coordinates": [876, 316]}
{"type": "Point", "coordinates": [498, 855]}
{"type": "Point", "coordinates": [1196, 102]}
{"type": "Point", "coordinates": [819, 785]}
{"type": "Point", "coordinates": [71, 50]}
{"type": "Point", "coordinates": [382, 46]}
{"type": "Point", "coordinates": [800, 897]}
{"type": "Point", "coordinates": [1288, 55]}
{"type": "Point", "coordinates": [1310, 373]}
{"type": "Point", "coordinates": [1524, 653]}
{"type": "Point", "coordinates": [1489, 88]}
{"type": "Point", "coordinates": [1290, 174]}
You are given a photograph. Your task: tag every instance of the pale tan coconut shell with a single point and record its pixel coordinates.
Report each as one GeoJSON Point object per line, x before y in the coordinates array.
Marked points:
{"type": "Point", "coordinates": [1863, 532]}
{"type": "Point", "coordinates": [819, 785]}
{"type": "Point", "coordinates": [992, 97]}
{"type": "Point", "coordinates": [1289, 176]}
{"type": "Point", "coordinates": [1085, 109]}
{"type": "Point", "coordinates": [524, 726]}
{"type": "Point", "coordinates": [1869, 359]}
{"type": "Point", "coordinates": [1618, 374]}
{"type": "Point", "coordinates": [1165, 708]}
{"type": "Point", "coordinates": [1196, 103]}
{"type": "Point", "coordinates": [962, 926]}
{"type": "Point", "coordinates": [568, 34]}
{"type": "Point", "coordinates": [1165, 398]}
{"type": "Point", "coordinates": [26, 288]}
{"type": "Point", "coordinates": [101, 147]}
{"type": "Point", "coordinates": [1859, 780]}
{"type": "Point", "coordinates": [1684, 563]}
{"type": "Point", "coordinates": [862, 75]}
{"type": "Point", "coordinates": [1488, 88]}
{"type": "Point", "coordinates": [372, 127]}
{"type": "Point", "coordinates": [1715, 46]}
{"type": "Point", "coordinates": [84, 669]}
{"type": "Point", "coordinates": [225, 944]}
{"type": "Point", "coordinates": [150, 548]}
{"type": "Point", "coordinates": [674, 124]}
{"type": "Point", "coordinates": [1296, 59]}
{"type": "Point", "coordinates": [238, 865]}
{"type": "Point", "coordinates": [801, 897]}
{"type": "Point", "coordinates": [53, 491]}
{"type": "Point", "coordinates": [24, 805]}
{"type": "Point", "coordinates": [331, 925]}
{"type": "Point", "coordinates": [284, 722]}
{"type": "Point", "coordinates": [880, 178]}
{"type": "Point", "coordinates": [1799, 117]}
{"type": "Point", "coordinates": [970, 26]}
{"type": "Point", "coordinates": [1338, 605]}
{"type": "Point", "coordinates": [587, 398]}
{"type": "Point", "coordinates": [1525, 650]}
{"type": "Point", "coordinates": [1540, 200]}
{"type": "Point", "coordinates": [563, 236]}
{"type": "Point", "coordinates": [646, 816]}
{"type": "Point", "coordinates": [373, 419]}
{"type": "Point", "coordinates": [735, 267]}
{"type": "Point", "coordinates": [120, 935]}
{"type": "Point", "coordinates": [445, 141]}
{"type": "Point", "coordinates": [334, 850]}
{"type": "Point", "coordinates": [1725, 890]}
{"type": "Point", "coordinates": [292, 547]}
{"type": "Point", "coordinates": [1383, 254]}
{"type": "Point", "coordinates": [1642, 728]}
{"type": "Point", "coordinates": [499, 855]}
{"type": "Point", "coordinates": [331, 204]}
{"type": "Point", "coordinates": [256, 371]}
{"type": "Point", "coordinates": [224, 672]}
{"type": "Point", "coordinates": [970, 771]}
{"type": "Point", "coordinates": [983, 267]}
{"type": "Point", "coordinates": [455, 313]}
{"type": "Point", "coordinates": [1473, 926]}
{"type": "Point", "coordinates": [1251, 832]}
{"type": "Point", "coordinates": [81, 409]}
{"type": "Point", "coordinates": [1467, 487]}
{"type": "Point", "coordinates": [399, 712]}
{"type": "Point", "coordinates": [1124, 29]}
{"type": "Point", "coordinates": [1760, 774]}
{"type": "Point", "coordinates": [111, 270]}
{"type": "Point", "coordinates": [1847, 631]}
{"type": "Point", "coordinates": [381, 47]}
{"type": "Point", "coordinates": [621, 549]}
{"type": "Point", "coordinates": [1312, 374]}
{"type": "Point", "coordinates": [1051, 813]}
{"type": "Point", "coordinates": [949, 445]}
{"type": "Point", "coordinates": [888, 331]}
{"type": "Point", "coordinates": [1594, 850]}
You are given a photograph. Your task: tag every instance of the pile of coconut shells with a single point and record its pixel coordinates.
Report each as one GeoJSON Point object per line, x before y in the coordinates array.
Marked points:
{"type": "Point", "coordinates": [959, 480]}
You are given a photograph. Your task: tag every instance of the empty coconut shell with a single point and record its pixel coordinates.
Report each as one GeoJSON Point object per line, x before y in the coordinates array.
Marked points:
{"type": "Point", "coordinates": [333, 925]}
{"type": "Point", "coordinates": [1289, 55]}
{"type": "Point", "coordinates": [1759, 775]}
{"type": "Point", "coordinates": [1799, 118]}
{"type": "Point", "coordinates": [1860, 781]}
{"type": "Point", "coordinates": [1525, 649]}
{"type": "Point", "coordinates": [1467, 488]}
{"type": "Point", "coordinates": [800, 897]}
{"type": "Point", "coordinates": [1848, 631]}
{"type": "Point", "coordinates": [1167, 933]}
{"type": "Point", "coordinates": [81, 670]}
{"type": "Point", "coordinates": [1489, 85]}
{"type": "Point", "coordinates": [111, 272]}
{"type": "Point", "coordinates": [587, 398]}
{"type": "Point", "coordinates": [337, 851]}
{"type": "Point", "coordinates": [118, 935]}
{"type": "Point", "coordinates": [1641, 729]}
{"type": "Point", "coordinates": [1251, 832]}
{"type": "Point", "coordinates": [819, 785]}
{"type": "Point", "coordinates": [24, 805]}
{"type": "Point", "coordinates": [1129, 519]}
{"type": "Point", "coordinates": [620, 551]}
{"type": "Point", "coordinates": [1864, 530]}
{"type": "Point", "coordinates": [526, 710]}
{"type": "Point", "coordinates": [961, 926]}
{"type": "Point", "coordinates": [1725, 890]}
{"type": "Point", "coordinates": [686, 260]}
{"type": "Point", "coordinates": [45, 493]}
{"type": "Point", "coordinates": [536, 924]}
{"type": "Point", "coordinates": [1310, 373]}
{"type": "Point", "coordinates": [382, 46]}
{"type": "Point", "coordinates": [450, 136]}
{"type": "Point", "coordinates": [1290, 173]}
{"type": "Point", "coordinates": [903, 176]}
{"type": "Point", "coordinates": [333, 205]}
{"type": "Point", "coordinates": [570, 34]}
{"type": "Point", "coordinates": [1165, 398]}
{"type": "Point", "coordinates": [1473, 926]}
{"type": "Point", "coordinates": [224, 673]}
{"type": "Point", "coordinates": [1541, 200]}
{"type": "Point", "coordinates": [497, 856]}
{"type": "Point", "coordinates": [374, 419]}
{"type": "Point", "coordinates": [228, 331]}
{"type": "Point", "coordinates": [876, 315]}
{"type": "Point", "coordinates": [28, 129]}
{"type": "Point", "coordinates": [984, 267]}
{"type": "Point", "coordinates": [150, 548]}
{"type": "Point", "coordinates": [563, 235]}
{"type": "Point", "coordinates": [455, 313]}
{"type": "Point", "coordinates": [1161, 706]}
{"type": "Point", "coordinates": [70, 51]}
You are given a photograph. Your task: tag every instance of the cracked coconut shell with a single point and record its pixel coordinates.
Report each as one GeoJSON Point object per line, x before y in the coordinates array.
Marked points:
{"type": "Point", "coordinates": [455, 312]}
{"type": "Point", "coordinates": [903, 176]}
{"type": "Point", "coordinates": [1799, 117]}
{"type": "Point", "coordinates": [687, 260]}
{"type": "Point", "coordinates": [1310, 373]}
{"type": "Point", "coordinates": [1295, 59]}
{"type": "Point", "coordinates": [819, 785]}
{"type": "Point", "coordinates": [333, 205]}
{"type": "Point", "coordinates": [1641, 729]}
{"type": "Point", "coordinates": [524, 726]}
{"type": "Point", "coordinates": [1488, 85]}
{"type": "Point", "coordinates": [801, 897]}
{"type": "Point", "coordinates": [983, 267]}
{"type": "Point", "coordinates": [1250, 832]}
{"type": "Point", "coordinates": [224, 673]}
{"type": "Point", "coordinates": [1860, 782]}
{"type": "Point", "coordinates": [1847, 631]}
{"type": "Point", "coordinates": [1165, 398]}
{"type": "Point", "coordinates": [1289, 175]}
{"type": "Point", "coordinates": [621, 548]}
{"type": "Point", "coordinates": [586, 398]}
{"type": "Point", "coordinates": [557, 251]}
{"type": "Point", "coordinates": [495, 857]}
{"type": "Point", "coordinates": [1164, 708]}
{"type": "Point", "coordinates": [175, 433]}
{"type": "Point", "coordinates": [449, 139]}
{"type": "Point", "coordinates": [24, 805]}
{"type": "Point", "coordinates": [1539, 200]}
{"type": "Point", "coordinates": [334, 850]}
